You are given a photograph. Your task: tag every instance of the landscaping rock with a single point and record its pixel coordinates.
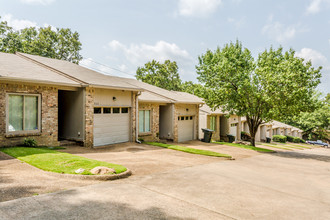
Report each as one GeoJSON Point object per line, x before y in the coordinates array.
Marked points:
{"type": "Point", "coordinates": [80, 170]}
{"type": "Point", "coordinates": [241, 142]}
{"type": "Point", "coordinates": [102, 170]}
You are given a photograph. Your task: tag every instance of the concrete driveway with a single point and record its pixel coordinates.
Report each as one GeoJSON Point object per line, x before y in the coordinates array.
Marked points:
{"type": "Point", "coordinates": [18, 179]}
{"type": "Point", "coordinates": [285, 185]}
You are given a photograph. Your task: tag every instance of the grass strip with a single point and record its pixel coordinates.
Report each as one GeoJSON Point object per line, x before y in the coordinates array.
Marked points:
{"type": "Point", "coordinates": [278, 147]}
{"type": "Point", "coordinates": [58, 162]}
{"type": "Point", "coordinates": [259, 149]}
{"type": "Point", "coordinates": [305, 147]}
{"type": "Point", "coordinates": [189, 150]}
{"type": "Point", "coordinates": [294, 147]}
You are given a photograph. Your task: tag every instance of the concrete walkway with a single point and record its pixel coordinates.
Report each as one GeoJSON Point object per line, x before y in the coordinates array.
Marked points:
{"type": "Point", "coordinates": [285, 185]}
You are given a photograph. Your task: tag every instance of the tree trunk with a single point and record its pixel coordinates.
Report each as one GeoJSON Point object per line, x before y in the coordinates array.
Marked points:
{"type": "Point", "coordinates": [253, 127]}
{"type": "Point", "coordinates": [253, 141]}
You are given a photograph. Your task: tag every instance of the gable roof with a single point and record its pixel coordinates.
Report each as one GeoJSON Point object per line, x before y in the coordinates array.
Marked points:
{"type": "Point", "coordinates": [15, 68]}
{"type": "Point", "coordinates": [82, 74]}
{"type": "Point", "coordinates": [171, 96]}
{"type": "Point", "coordinates": [205, 108]}
{"type": "Point", "coordinates": [39, 69]}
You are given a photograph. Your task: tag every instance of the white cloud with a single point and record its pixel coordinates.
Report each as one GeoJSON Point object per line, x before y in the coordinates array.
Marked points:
{"type": "Point", "coordinates": [237, 22]}
{"type": "Point", "coordinates": [139, 54]}
{"type": "Point", "coordinates": [38, 2]}
{"type": "Point", "coordinates": [280, 32]}
{"type": "Point", "coordinates": [18, 24]}
{"type": "Point", "coordinates": [90, 63]}
{"type": "Point", "coordinates": [198, 8]}
{"type": "Point", "coordinates": [316, 57]}
{"type": "Point", "coordinates": [315, 6]}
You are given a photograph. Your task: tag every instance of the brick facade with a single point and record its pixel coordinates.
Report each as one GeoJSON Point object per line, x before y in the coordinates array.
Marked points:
{"type": "Point", "coordinates": [133, 116]}
{"type": "Point", "coordinates": [89, 117]}
{"type": "Point", "coordinates": [49, 114]}
{"type": "Point", "coordinates": [153, 135]}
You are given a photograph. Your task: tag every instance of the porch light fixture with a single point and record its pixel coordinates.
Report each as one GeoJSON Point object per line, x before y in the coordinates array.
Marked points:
{"type": "Point", "coordinates": [187, 109]}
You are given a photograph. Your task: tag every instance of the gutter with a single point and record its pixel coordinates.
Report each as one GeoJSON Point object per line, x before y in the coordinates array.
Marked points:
{"type": "Point", "coordinates": [16, 79]}
{"type": "Point", "coordinates": [51, 68]}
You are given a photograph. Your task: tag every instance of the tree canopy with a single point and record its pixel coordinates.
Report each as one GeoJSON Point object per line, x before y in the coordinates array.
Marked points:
{"type": "Point", "coordinates": [61, 43]}
{"type": "Point", "coordinates": [276, 85]}
{"type": "Point", "coordinates": [315, 123]}
{"type": "Point", "coordinates": [164, 75]}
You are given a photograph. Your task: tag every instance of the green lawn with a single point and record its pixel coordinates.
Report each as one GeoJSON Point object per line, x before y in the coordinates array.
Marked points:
{"type": "Point", "coordinates": [189, 150]}
{"type": "Point", "coordinates": [276, 146]}
{"type": "Point", "coordinates": [58, 162]}
{"type": "Point", "coordinates": [300, 146]}
{"type": "Point", "coordinates": [259, 149]}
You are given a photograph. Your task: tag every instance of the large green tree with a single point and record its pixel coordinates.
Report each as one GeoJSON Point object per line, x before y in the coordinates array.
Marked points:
{"type": "Point", "coordinates": [61, 43]}
{"type": "Point", "coordinates": [317, 122]}
{"type": "Point", "coordinates": [274, 86]}
{"type": "Point", "coordinates": [164, 75]}
{"type": "Point", "coordinates": [193, 88]}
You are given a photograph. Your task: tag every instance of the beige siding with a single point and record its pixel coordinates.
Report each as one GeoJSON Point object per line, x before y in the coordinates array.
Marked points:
{"type": "Point", "coordinates": [108, 97]}
{"type": "Point", "coordinates": [166, 121]}
{"type": "Point", "coordinates": [202, 124]}
{"type": "Point", "coordinates": [71, 115]}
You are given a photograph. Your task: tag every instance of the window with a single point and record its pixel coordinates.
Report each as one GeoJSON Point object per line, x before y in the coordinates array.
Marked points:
{"type": "Point", "coordinates": [23, 112]}
{"type": "Point", "coordinates": [213, 123]}
{"type": "Point", "coordinates": [116, 110]}
{"type": "Point", "coordinates": [233, 124]}
{"type": "Point", "coordinates": [144, 121]}
{"type": "Point", "coordinates": [106, 110]}
{"type": "Point", "coordinates": [182, 118]}
{"type": "Point", "coordinates": [190, 117]}
{"type": "Point", "coordinates": [124, 110]}
{"type": "Point", "coordinates": [97, 110]}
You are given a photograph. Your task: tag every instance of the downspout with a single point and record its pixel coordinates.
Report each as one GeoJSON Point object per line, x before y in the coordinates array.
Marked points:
{"type": "Point", "coordinates": [136, 118]}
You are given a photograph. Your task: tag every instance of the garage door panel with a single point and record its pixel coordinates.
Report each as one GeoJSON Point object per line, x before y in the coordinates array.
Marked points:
{"type": "Point", "coordinates": [185, 130]}
{"type": "Point", "coordinates": [111, 129]}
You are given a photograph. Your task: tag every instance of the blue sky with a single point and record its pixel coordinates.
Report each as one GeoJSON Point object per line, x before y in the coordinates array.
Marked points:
{"type": "Point", "coordinates": [126, 34]}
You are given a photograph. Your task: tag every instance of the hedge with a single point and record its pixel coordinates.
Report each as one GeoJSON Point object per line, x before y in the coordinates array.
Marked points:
{"type": "Point", "coordinates": [298, 140]}
{"type": "Point", "coordinates": [290, 138]}
{"type": "Point", "coordinates": [279, 138]}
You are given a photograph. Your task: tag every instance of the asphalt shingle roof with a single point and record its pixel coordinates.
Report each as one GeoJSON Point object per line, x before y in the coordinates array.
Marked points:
{"type": "Point", "coordinates": [13, 67]}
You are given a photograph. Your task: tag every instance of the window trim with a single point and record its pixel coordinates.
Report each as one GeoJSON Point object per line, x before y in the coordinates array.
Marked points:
{"type": "Point", "coordinates": [150, 120]}
{"type": "Point", "coordinates": [39, 114]}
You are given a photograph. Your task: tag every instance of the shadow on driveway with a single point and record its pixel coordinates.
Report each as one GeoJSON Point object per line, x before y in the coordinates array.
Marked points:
{"type": "Point", "coordinates": [300, 155]}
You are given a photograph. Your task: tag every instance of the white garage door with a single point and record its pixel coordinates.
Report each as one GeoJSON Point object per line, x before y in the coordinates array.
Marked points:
{"type": "Point", "coordinates": [185, 128]}
{"type": "Point", "coordinates": [233, 129]}
{"type": "Point", "coordinates": [111, 127]}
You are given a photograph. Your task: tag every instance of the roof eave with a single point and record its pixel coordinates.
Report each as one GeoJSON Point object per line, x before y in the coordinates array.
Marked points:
{"type": "Point", "coordinates": [16, 79]}
{"type": "Point", "coordinates": [116, 88]}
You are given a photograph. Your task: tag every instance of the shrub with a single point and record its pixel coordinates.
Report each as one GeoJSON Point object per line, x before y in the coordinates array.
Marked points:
{"type": "Point", "coordinates": [245, 136]}
{"type": "Point", "coordinates": [290, 138]}
{"type": "Point", "coordinates": [231, 138]}
{"type": "Point", "coordinates": [30, 142]}
{"type": "Point", "coordinates": [298, 140]}
{"type": "Point", "coordinates": [279, 138]}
